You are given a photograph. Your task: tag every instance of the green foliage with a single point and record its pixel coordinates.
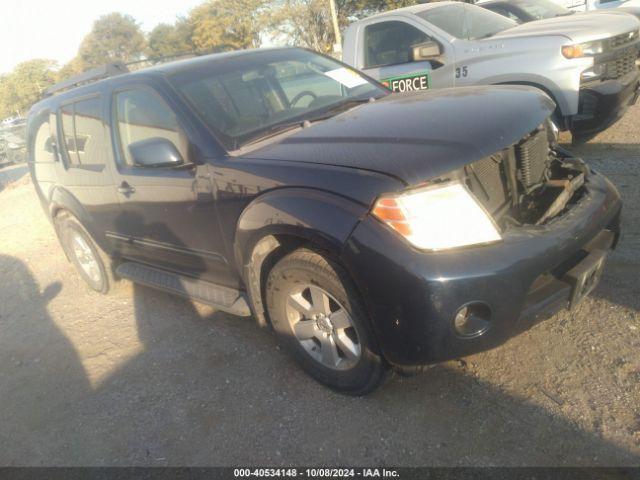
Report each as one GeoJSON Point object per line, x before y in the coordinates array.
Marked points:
{"type": "Point", "coordinates": [24, 85]}
{"type": "Point", "coordinates": [114, 37]}
{"type": "Point", "coordinates": [219, 24]}
{"type": "Point", "coordinates": [307, 23]}
{"type": "Point", "coordinates": [213, 25]}
{"type": "Point", "coordinates": [357, 9]}
{"type": "Point", "coordinates": [165, 40]}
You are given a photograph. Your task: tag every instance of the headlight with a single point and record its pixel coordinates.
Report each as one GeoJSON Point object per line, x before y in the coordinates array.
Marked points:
{"type": "Point", "coordinates": [583, 49]}
{"type": "Point", "coordinates": [12, 145]}
{"type": "Point", "coordinates": [437, 217]}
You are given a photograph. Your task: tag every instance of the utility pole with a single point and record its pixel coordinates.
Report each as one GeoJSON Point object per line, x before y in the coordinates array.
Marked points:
{"type": "Point", "coordinates": [337, 47]}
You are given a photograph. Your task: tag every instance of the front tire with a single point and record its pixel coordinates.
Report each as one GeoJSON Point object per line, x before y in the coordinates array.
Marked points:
{"type": "Point", "coordinates": [318, 316]}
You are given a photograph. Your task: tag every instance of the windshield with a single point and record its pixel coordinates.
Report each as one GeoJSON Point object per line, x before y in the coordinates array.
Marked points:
{"type": "Point", "coordinates": [465, 21]}
{"type": "Point", "coordinates": [246, 97]}
{"type": "Point", "coordinates": [540, 9]}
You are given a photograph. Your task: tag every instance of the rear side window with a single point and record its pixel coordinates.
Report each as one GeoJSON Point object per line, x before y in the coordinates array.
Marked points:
{"type": "Point", "coordinates": [390, 43]}
{"type": "Point", "coordinates": [142, 115]}
{"type": "Point", "coordinates": [83, 132]}
{"type": "Point", "coordinates": [69, 139]}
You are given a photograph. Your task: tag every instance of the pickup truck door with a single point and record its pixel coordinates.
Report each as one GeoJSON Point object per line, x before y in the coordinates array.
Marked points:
{"type": "Point", "coordinates": [385, 54]}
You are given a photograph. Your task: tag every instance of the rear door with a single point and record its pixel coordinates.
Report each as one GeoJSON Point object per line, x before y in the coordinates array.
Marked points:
{"type": "Point", "coordinates": [84, 170]}
{"type": "Point", "coordinates": [167, 213]}
{"type": "Point", "coordinates": [386, 56]}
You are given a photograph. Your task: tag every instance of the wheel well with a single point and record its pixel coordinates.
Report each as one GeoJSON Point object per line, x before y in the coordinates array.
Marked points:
{"type": "Point", "coordinates": [557, 116]}
{"type": "Point", "coordinates": [266, 253]}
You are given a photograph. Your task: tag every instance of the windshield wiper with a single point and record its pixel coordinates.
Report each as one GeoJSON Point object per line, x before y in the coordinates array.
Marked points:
{"type": "Point", "coordinates": [279, 128]}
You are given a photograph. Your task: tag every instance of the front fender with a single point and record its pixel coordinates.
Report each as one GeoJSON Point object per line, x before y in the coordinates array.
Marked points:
{"type": "Point", "coordinates": [322, 218]}
{"type": "Point", "coordinates": [563, 98]}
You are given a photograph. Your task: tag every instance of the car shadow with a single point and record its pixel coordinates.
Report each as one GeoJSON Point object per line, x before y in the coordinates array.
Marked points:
{"type": "Point", "coordinates": [208, 388]}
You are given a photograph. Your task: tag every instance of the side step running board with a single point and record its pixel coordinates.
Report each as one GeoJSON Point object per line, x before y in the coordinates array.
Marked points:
{"type": "Point", "coordinates": [223, 298]}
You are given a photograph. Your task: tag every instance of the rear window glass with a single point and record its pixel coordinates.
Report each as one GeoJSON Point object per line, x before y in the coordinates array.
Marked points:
{"type": "Point", "coordinates": [90, 138]}
{"type": "Point", "coordinates": [69, 139]}
{"type": "Point", "coordinates": [83, 131]}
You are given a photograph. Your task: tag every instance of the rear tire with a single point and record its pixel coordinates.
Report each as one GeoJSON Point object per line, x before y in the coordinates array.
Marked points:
{"type": "Point", "coordinates": [318, 316]}
{"type": "Point", "coordinates": [94, 266]}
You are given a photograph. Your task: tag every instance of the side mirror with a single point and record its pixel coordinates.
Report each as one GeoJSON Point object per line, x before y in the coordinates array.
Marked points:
{"type": "Point", "coordinates": [425, 51]}
{"type": "Point", "coordinates": [155, 152]}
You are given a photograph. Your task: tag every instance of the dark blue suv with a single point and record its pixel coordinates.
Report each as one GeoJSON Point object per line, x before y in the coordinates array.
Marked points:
{"type": "Point", "coordinates": [369, 230]}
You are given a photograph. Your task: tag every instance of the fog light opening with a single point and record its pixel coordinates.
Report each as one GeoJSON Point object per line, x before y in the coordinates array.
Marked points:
{"type": "Point", "coordinates": [472, 320]}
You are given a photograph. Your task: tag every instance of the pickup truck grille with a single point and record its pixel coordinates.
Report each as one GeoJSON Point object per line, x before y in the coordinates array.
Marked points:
{"type": "Point", "coordinates": [623, 39]}
{"type": "Point", "coordinates": [619, 67]}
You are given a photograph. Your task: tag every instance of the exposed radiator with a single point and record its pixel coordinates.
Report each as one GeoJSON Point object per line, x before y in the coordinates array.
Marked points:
{"type": "Point", "coordinates": [492, 189]}
{"type": "Point", "coordinates": [532, 157]}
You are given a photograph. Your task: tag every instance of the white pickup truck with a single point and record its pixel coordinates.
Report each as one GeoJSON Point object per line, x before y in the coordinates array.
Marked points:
{"type": "Point", "coordinates": [585, 63]}
{"type": "Point", "coordinates": [589, 5]}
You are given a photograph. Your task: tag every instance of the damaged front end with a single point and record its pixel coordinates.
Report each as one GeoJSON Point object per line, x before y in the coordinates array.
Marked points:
{"type": "Point", "coordinates": [529, 183]}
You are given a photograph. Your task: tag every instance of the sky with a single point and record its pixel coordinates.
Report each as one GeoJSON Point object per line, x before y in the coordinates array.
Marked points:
{"type": "Point", "coordinates": [53, 29]}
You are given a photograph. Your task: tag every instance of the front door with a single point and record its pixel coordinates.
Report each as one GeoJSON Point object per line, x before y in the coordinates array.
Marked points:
{"type": "Point", "coordinates": [387, 57]}
{"type": "Point", "coordinates": [167, 215]}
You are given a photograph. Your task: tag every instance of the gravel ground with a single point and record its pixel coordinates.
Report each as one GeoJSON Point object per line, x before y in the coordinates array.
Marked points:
{"type": "Point", "coordinates": [143, 378]}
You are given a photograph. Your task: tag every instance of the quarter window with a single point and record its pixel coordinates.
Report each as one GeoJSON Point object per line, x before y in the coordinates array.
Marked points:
{"type": "Point", "coordinates": [390, 43]}
{"type": "Point", "coordinates": [142, 115]}
{"type": "Point", "coordinates": [41, 139]}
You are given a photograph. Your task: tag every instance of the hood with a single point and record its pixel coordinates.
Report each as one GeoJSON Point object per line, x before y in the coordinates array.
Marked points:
{"type": "Point", "coordinates": [419, 135]}
{"type": "Point", "coordinates": [579, 28]}
{"type": "Point", "coordinates": [632, 8]}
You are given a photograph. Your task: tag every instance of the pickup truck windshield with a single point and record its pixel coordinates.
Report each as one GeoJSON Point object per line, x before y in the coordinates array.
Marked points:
{"type": "Point", "coordinates": [248, 97]}
{"type": "Point", "coordinates": [465, 21]}
{"type": "Point", "coordinates": [541, 9]}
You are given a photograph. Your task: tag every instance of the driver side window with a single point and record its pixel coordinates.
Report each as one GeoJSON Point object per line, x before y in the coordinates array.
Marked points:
{"type": "Point", "coordinates": [143, 115]}
{"type": "Point", "coordinates": [390, 43]}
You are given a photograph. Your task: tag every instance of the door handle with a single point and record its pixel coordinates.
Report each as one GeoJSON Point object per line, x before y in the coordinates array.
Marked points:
{"type": "Point", "coordinates": [126, 189]}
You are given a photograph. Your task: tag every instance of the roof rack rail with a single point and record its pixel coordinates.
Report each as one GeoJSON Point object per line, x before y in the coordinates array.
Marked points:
{"type": "Point", "coordinates": [93, 75]}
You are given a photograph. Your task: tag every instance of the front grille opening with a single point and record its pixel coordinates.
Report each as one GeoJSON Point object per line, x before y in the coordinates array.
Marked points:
{"type": "Point", "coordinates": [621, 66]}
{"type": "Point", "coordinates": [527, 184]}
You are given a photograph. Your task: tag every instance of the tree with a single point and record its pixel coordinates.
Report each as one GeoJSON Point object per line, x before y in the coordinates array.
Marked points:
{"type": "Point", "coordinates": [114, 37]}
{"type": "Point", "coordinates": [220, 24]}
{"type": "Point", "coordinates": [304, 23]}
{"type": "Point", "coordinates": [307, 23]}
{"type": "Point", "coordinates": [165, 40]}
{"type": "Point", "coordinates": [74, 67]}
{"type": "Point", "coordinates": [24, 85]}
{"type": "Point", "coordinates": [357, 9]}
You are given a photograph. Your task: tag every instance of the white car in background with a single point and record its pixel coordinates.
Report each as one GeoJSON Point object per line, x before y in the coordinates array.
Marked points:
{"type": "Point", "coordinates": [589, 5]}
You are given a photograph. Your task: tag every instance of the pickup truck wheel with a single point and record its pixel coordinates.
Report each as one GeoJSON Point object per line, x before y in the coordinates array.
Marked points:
{"type": "Point", "coordinates": [93, 265]}
{"type": "Point", "coordinates": [317, 315]}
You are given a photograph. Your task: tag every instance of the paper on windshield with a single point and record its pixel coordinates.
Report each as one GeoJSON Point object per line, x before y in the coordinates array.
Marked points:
{"type": "Point", "coordinates": [346, 77]}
